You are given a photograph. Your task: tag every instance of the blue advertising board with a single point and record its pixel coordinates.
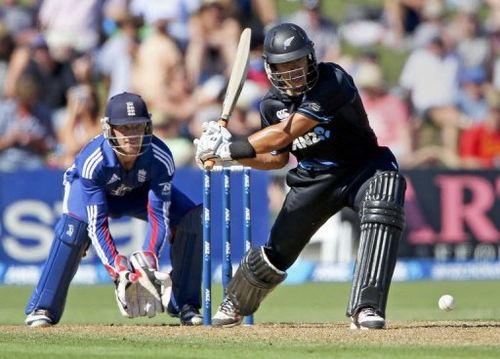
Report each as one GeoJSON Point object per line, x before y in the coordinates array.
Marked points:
{"type": "Point", "coordinates": [31, 204]}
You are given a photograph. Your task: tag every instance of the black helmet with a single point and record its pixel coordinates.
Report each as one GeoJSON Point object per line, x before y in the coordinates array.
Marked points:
{"type": "Point", "coordinates": [284, 43]}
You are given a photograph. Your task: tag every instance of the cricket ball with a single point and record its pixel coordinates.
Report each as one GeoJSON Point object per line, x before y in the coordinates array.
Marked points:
{"type": "Point", "coordinates": [446, 302]}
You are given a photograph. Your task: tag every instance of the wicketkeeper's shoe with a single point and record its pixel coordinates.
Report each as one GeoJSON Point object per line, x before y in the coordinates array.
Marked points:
{"type": "Point", "coordinates": [227, 315]}
{"type": "Point", "coordinates": [38, 318]}
{"type": "Point", "coordinates": [367, 318]}
{"type": "Point", "coordinates": [190, 315]}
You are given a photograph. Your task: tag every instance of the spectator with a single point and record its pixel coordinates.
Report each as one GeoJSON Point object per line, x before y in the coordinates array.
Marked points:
{"type": "Point", "coordinates": [80, 125]}
{"type": "Point", "coordinates": [362, 25]}
{"type": "Point", "coordinates": [387, 114]}
{"type": "Point", "coordinates": [432, 24]}
{"type": "Point", "coordinates": [403, 17]}
{"type": "Point", "coordinates": [178, 11]}
{"type": "Point", "coordinates": [472, 45]}
{"type": "Point", "coordinates": [430, 75]}
{"type": "Point", "coordinates": [492, 20]}
{"type": "Point", "coordinates": [494, 60]}
{"type": "Point", "coordinates": [157, 59]}
{"type": "Point", "coordinates": [26, 135]}
{"type": "Point", "coordinates": [54, 77]}
{"type": "Point", "coordinates": [212, 43]}
{"type": "Point", "coordinates": [256, 14]}
{"type": "Point", "coordinates": [19, 18]}
{"type": "Point", "coordinates": [175, 103]}
{"type": "Point", "coordinates": [471, 101]}
{"type": "Point", "coordinates": [114, 60]}
{"type": "Point", "coordinates": [71, 25]}
{"type": "Point", "coordinates": [480, 144]}
{"type": "Point", "coordinates": [321, 30]}
{"type": "Point", "coordinates": [6, 50]}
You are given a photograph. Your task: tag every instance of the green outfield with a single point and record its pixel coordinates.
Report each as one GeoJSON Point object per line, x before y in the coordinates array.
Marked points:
{"type": "Point", "coordinates": [305, 321]}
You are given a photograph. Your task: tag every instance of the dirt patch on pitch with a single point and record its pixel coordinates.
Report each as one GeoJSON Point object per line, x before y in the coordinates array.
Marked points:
{"type": "Point", "coordinates": [455, 333]}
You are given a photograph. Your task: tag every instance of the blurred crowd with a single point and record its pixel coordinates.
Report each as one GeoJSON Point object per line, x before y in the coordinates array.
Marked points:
{"type": "Point", "coordinates": [60, 60]}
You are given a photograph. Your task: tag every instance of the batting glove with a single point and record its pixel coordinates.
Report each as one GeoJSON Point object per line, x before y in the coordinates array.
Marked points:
{"type": "Point", "coordinates": [154, 287]}
{"type": "Point", "coordinates": [214, 135]}
{"type": "Point", "coordinates": [125, 287]}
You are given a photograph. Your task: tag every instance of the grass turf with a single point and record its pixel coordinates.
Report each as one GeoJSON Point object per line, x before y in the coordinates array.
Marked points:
{"type": "Point", "coordinates": [305, 321]}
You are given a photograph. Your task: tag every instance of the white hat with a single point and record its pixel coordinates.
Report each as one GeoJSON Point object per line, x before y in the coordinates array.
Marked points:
{"type": "Point", "coordinates": [370, 75]}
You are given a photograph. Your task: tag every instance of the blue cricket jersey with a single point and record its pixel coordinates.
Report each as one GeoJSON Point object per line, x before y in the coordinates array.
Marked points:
{"type": "Point", "coordinates": [98, 187]}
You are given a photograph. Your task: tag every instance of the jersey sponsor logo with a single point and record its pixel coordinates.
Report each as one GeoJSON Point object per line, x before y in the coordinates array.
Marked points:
{"type": "Point", "coordinates": [282, 114]}
{"type": "Point", "coordinates": [141, 175]}
{"type": "Point", "coordinates": [130, 108]}
{"type": "Point", "coordinates": [122, 190]}
{"type": "Point", "coordinates": [114, 178]}
{"type": "Point", "coordinates": [311, 138]}
{"type": "Point", "coordinates": [165, 188]}
{"type": "Point", "coordinates": [288, 42]}
{"type": "Point", "coordinates": [71, 230]}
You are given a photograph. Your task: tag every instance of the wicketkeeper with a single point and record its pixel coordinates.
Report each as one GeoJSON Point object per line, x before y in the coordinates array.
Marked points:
{"type": "Point", "coordinates": [125, 171]}
{"type": "Point", "coordinates": [314, 112]}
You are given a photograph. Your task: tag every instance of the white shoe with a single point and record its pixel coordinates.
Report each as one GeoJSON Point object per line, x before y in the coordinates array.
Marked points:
{"type": "Point", "coordinates": [227, 315]}
{"type": "Point", "coordinates": [367, 318]}
{"type": "Point", "coordinates": [190, 315]}
{"type": "Point", "coordinates": [39, 318]}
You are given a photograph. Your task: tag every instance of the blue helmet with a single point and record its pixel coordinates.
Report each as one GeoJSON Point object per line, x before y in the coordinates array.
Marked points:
{"type": "Point", "coordinates": [127, 109]}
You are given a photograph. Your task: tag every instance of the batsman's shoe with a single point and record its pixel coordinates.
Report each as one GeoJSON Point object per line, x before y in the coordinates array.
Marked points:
{"type": "Point", "coordinates": [38, 318]}
{"type": "Point", "coordinates": [190, 315]}
{"type": "Point", "coordinates": [367, 318]}
{"type": "Point", "coordinates": [227, 315]}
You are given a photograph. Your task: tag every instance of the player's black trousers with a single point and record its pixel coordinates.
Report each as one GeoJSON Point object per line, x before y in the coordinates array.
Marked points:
{"type": "Point", "coordinates": [314, 197]}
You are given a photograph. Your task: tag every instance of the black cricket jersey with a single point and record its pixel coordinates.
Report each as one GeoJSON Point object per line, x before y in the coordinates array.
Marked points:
{"type": "Point", "coordinates": [343, 136]}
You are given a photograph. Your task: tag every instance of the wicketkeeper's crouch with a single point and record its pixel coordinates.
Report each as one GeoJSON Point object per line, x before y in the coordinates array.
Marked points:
{"type": "Point", "coordinates": [126, 171]}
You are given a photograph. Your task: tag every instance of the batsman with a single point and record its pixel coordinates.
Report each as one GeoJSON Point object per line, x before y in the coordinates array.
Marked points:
{"type": "Point", "coordinates": [314, 112]}
{"type": "Point", "coordinates": [125, 171]}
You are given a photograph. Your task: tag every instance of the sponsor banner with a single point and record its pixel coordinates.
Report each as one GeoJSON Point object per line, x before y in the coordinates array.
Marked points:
{"type": "Point", "coordinates": [30, 209]}
{"type": "Point", "coordinates": [452, 215]}
{"type": "Point", "coordinates": [301, 272]}
{"type": "Point", "coordinates": [411, 270]}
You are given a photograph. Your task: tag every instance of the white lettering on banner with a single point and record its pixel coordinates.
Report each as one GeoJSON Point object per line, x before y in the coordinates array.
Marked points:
{"type": "Point", "coordinates": [28, 231]}
{"type": "Point", "coordinates": [86, 274]}
{"type": "Point", "coordinates": [40, 231]}
{"type": "Point", "coordinates": [463, 271]}
{"type": "Point", "coordinates": [22, 275]}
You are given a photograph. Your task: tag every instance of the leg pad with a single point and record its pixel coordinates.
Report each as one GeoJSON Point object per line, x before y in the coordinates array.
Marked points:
{"type": "Point", "coordinates": [382, 223]}
{"type": "Point", "coordinates": [70, 243]}
{"type": "Point", "coordinates": [254, 279]}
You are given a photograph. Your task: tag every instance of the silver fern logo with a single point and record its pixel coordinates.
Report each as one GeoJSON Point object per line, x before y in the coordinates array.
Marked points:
{"type": "Point", "coordinates": [288, 42]}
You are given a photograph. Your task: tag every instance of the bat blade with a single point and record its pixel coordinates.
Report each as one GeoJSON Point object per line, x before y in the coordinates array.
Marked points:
{"type": "Point", "coordinates": [238, 75]}
{"type": "Point", "coordinates": [236, 81]}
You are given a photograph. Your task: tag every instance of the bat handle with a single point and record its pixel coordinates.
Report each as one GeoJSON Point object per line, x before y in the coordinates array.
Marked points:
{"type": "Point", "coordinates": [209, 164]}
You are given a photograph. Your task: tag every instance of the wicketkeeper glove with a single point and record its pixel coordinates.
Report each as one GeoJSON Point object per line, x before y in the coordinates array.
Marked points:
{"type": "Point", "coordinates": [154, 287]}
{"type": "Point", "coordinates": [125, 287]}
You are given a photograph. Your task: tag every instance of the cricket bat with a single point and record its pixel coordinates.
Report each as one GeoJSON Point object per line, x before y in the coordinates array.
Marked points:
{"type": "Point", "coordinates": [236, 82]}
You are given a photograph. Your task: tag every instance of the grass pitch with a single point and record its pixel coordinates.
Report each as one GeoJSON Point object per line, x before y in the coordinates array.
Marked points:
{"type": "Point", "coordinates": [305, 321]}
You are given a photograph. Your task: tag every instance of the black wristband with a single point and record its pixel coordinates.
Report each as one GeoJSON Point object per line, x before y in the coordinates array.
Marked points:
{"type": "Point", "coordinates": [241, 149]}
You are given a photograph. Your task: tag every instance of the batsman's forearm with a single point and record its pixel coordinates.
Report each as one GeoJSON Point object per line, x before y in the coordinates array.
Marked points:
{"type": "Point", "coordinates": [270, 139]}
{"type": "Point", "coordinates": [266, 161]}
